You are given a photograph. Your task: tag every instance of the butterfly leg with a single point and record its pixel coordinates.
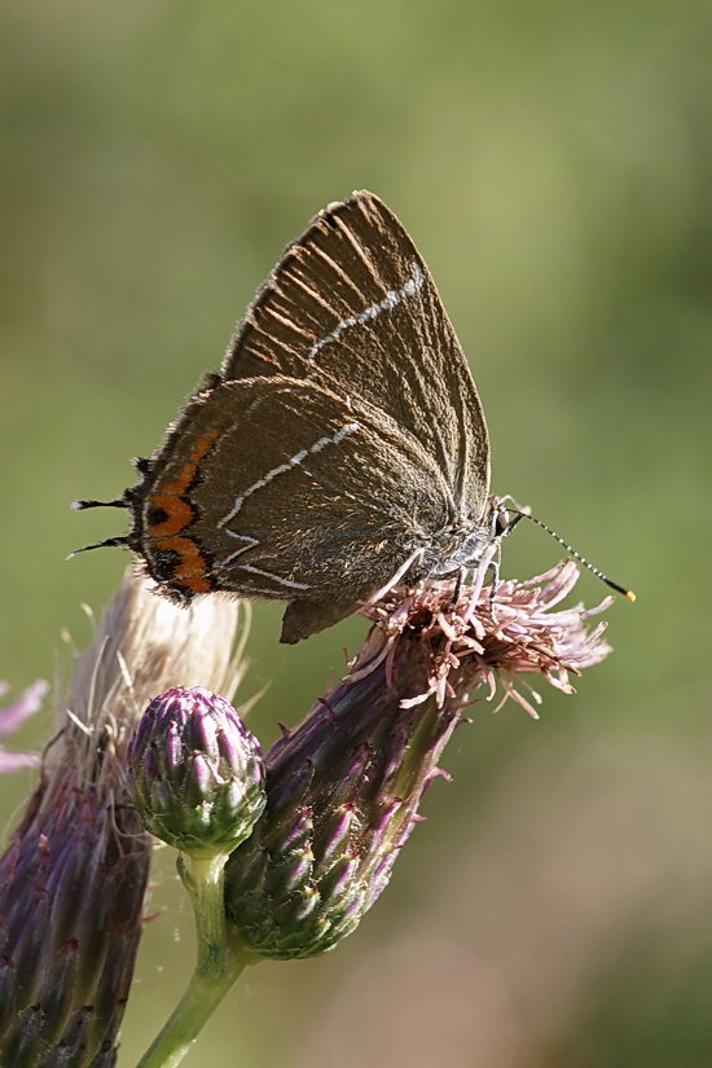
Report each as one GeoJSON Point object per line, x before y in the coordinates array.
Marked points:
{"type": "Point", "coordinates": [494, 567]}
{"type": "Point", "coordinates": [459, 583]}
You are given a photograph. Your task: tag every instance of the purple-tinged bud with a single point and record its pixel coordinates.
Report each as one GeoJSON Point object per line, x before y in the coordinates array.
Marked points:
{"type": "Point", "coordinates": [343, 788]}
{"type": "Point", "coordinates": [196, 772]}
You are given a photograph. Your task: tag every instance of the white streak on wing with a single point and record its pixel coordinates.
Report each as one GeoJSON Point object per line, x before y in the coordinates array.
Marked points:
{"type": "Point", "coordinates": [264, 591]}
{"type": "Point", "coordinates": [294, 461]}
{"type": "Point", "coordinates": [391, 299]}
{"type": "Point", "coordinates": [350, 428]}
{"type": "Point", "coordinates": [238, 552]}
{"type": "Point", "coordinates": [275, 578]}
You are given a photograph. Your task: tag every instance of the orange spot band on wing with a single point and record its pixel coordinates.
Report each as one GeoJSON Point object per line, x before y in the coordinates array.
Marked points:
{"type": "Point", "coordinates": [190, 469]}
{"type": "Point", "coordinates": [179, 513]}
{"type": "Point", "coordinates": [191, 571]}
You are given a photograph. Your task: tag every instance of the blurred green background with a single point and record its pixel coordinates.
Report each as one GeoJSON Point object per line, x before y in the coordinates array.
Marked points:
{"type": "Point", "coordinates": [552, 161]}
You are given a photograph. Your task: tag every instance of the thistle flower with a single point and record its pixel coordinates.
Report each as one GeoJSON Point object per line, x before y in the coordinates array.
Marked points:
{"type": "Point", "coordinates": [344, 787]}
{"type": "Point", "coordinates": [505, 633]}
{"type": "Point", "coordinates": [196, 771]}
{"type": "Point", "coordinates": [72, 882]}
{"type": "Point", "coordinates": [12, 716]}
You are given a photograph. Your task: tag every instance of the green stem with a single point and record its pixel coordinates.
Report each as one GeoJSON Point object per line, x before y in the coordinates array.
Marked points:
{"type": "Point", "coordinates": [204, 879]}
{"type": "Point", "coordinates": [221, 959]}
{"type": "Point", "coordinates": [192, 1013]}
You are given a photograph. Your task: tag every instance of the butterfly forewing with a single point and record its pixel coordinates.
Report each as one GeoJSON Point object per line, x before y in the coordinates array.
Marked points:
{"type": "Point", "coordinates": [352, 305]}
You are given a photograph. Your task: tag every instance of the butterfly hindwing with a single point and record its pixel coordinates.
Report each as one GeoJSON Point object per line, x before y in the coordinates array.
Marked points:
{"type": "Point", "coordinates": [297, 494]}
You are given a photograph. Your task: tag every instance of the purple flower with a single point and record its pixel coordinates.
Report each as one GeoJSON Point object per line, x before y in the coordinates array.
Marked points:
{"type": "Point", "coordinates": [502, 635]}
{"type": "Point", "coordinates": [12, 716]}
{"type": "Point", "coordinates": [344, 787]}
{"type": "Point", "coordinates": [196, 771]}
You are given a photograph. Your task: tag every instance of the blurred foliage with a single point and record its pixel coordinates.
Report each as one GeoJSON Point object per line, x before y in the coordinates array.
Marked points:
{"type": "Point", "coordinates": [552, 161]}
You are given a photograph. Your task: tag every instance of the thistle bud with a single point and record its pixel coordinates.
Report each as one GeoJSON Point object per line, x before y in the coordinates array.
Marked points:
{"type": "Point", "coordinates": [344, 787]}
{"type": "Point", "coordinates": [196, 772]}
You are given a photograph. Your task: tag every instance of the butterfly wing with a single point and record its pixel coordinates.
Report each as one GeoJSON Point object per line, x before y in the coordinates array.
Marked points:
{"type": "Point", "coordinates": [352, 305]}
{"type": "Point", "coordinates": [343, 434]}
{"type": "Point", "coordinates": [279, 487]}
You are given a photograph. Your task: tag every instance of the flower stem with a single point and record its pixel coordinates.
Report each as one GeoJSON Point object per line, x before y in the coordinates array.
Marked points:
{"type": "Point", "coordinates": [191, 1014]}
{"type": "Point", "coordinates": [221, 959]}
{"type": "Point", "coordinates": [203, 878]}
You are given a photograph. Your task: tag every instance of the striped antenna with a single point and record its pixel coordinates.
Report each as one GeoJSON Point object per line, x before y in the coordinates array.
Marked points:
{"type": "Point", "coordinates": [577, 556]}
{"type": "Point", "coordinates": [80, 506]}
{"type": "Point", "coordinates": [107, 543]}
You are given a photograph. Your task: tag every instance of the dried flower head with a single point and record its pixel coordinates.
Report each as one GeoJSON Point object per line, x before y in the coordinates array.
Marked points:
{"type": "Point", "coordinates": [344, 787]}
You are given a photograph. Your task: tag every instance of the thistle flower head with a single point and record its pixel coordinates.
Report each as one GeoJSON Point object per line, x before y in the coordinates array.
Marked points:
{"type": "Point", "coordinates": [496, 635]}
{"type": "Point", "coordinates": [344, 787]}
{"type": "Point", "coordinates": [196, 771]}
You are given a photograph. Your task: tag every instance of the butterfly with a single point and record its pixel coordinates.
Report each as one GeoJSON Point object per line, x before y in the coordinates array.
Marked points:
{"type": "Point", "coordinates": [341, 447]}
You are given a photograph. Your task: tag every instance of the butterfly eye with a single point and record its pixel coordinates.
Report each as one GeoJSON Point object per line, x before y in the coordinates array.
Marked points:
{"type": "Point", "coordinates": [501, 523]}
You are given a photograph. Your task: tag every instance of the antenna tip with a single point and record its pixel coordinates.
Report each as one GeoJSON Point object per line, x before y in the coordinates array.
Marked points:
{"type": "Point", "coordinates": [630, 596]}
